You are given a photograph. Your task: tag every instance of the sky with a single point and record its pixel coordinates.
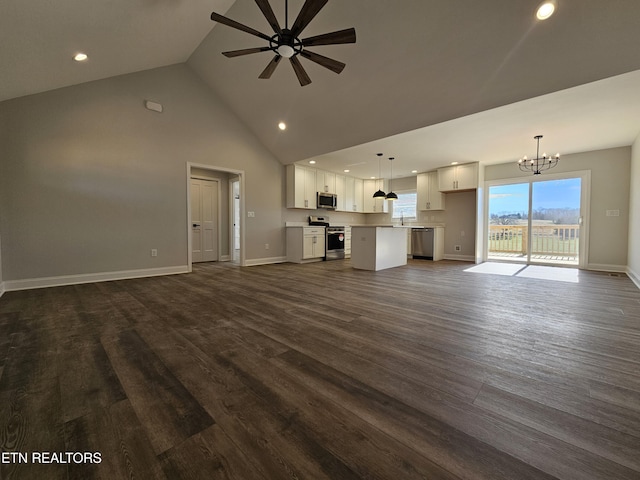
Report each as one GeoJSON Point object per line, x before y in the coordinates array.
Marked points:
{"type": "Point", "coordinates": [505, 199]}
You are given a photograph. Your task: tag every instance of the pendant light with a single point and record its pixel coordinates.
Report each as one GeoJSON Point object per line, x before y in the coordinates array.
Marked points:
{"type": "Point", "coordinates": [391, 195]}
{"type": "Point", "coordinates": [379, 193]}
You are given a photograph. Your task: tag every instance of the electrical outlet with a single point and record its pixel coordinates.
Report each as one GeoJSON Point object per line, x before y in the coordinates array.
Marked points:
{"type": "Point", "coordinates": [154, 252]}
{"type": "Point", "coordinates": [458, 248]}
{"type": "Point", "coordinates": [266, 246]}
{"type": "Point", "coordinates": [251, 214]}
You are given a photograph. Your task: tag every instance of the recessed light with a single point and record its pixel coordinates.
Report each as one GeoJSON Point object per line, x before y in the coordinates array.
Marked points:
{"type": "Point", "coordinates": [80, 57]}
{"type": "Point", "coordinates": [414, 171]}
{"type": "Point", "coordinates": [545, 10]}
{"type": "Point", "coordinates": [454, 163]}
{"type": "Point", "coordinates": [373, 178]}
{"type": "Point", "coordinates": [346, 170]}
{"type": "Point", "coordinates": [312, 162]}
{"type": "Point", "coordinates": [282, 126]}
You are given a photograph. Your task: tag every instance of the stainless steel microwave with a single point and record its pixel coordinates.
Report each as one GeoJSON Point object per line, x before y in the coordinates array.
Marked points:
{"type": "Point", "coordinates": [327, 201]}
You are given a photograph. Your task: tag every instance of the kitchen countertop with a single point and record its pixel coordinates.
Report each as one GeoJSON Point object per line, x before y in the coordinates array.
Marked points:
{"type": "Point", "coordinates": [432, 225]}
{"type": "Point", "coordinates": [426, 225]}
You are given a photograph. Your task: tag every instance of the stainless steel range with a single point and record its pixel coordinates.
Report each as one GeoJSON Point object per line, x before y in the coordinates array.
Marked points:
{"type": "Point", "coordinates": [334, 238]}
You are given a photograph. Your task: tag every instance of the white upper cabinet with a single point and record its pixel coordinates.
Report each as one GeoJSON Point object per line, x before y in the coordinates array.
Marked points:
{"type": "Point", "coordinates": [325, 182]}
{"type": "Point", "coordinates": [458, 177]}
{"type": "Point", "coordinates": [353, 194]}
{"type": "Point", "coordinates": [341, 193]}
{"type": "Point", "coordinates": [303, 183]}
{"type": "Point", "coordinates": [358, 195]}
{"type": "Point", "coordinates": [374, 205]}
{"type": "Point", "coordinates": [429, 196]}
{"type": "Point", "coordinates": [301, 187]}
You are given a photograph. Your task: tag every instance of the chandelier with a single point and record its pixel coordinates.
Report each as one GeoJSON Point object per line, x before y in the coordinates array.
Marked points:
{"type": "Point", "coordinates": [538, 164]}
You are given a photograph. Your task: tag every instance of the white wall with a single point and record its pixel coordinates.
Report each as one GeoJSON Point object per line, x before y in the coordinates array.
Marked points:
{"type": "Point", "coordinates": [90, 180]}
{"type": "Point", "coordinates": [634, 215]}
{"type": "Point", "coordinates": [610, 190]}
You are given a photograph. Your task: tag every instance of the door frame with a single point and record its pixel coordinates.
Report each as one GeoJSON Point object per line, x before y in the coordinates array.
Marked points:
{"type": "Point", "coordinates": [585, 207]}
{"type": "Point", "coordinates": [214, 169]}
{"type": "Point", "coordinates": [232, 218]}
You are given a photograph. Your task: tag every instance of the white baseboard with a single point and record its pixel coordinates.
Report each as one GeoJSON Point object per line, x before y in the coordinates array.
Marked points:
{"type": "Point", "coordinates": [635, 278]}
{"type": "Point", "coordinates": [225, 258]}
{"type": "Point", "coordinates": [1, 288]}
{"type": "Point", "coordinates": [264, 261]}
{"type": "Point", "coordinates": [31, 283]}
{"type": "Point", "coordinates": [601, 267]}
{"type": "Point", "coordinates": [462, 258]}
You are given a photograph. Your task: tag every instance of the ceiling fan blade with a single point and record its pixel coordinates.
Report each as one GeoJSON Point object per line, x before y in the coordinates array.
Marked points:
{"type": "Point", "coordinates": [267, 11]}
{"type": "Point", "coordinates": [309, 10]}
{"type": "Point", "coordinates": [326, 62]}
{"type": "Point", "coordinates": [232, 23]}
{"type": "Point", "coordinates": [245, 51]}
{"type": "Point", "coordinates": [267, 72]}
{"type": "Point", "coordinates": [303, 78]}
{"type": "Point", "coordinates": [341, 36]}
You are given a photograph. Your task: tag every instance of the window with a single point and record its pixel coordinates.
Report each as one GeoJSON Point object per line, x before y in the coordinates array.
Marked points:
{"type": "Point", "coordinates": [405, 205]}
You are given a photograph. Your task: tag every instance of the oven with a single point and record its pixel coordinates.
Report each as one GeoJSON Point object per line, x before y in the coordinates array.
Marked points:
{"type": "Point", "coordinates": [334, 249]}
{"type": "Point", "coordinates": [334, 238]}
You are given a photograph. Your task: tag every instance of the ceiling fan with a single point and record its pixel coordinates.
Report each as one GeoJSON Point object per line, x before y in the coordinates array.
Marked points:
{"type": "Point", "coordinates": [285, 42]}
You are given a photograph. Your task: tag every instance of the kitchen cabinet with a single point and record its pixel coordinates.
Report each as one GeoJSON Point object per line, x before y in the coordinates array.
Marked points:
{"type": "Point", "coordinates": [305, 244]}
{"type": "Point", "coordinates": [429, 196]}
{"type": "Point", "coordinates": [301, 187]}
{"type": "Point", "coordinates": [458, 177]}
{"type": "Point", "coordinates": [374, 205]}
{"type": "Point", "coordinates": [341, 193]}
{"type": "Point", "coordinates": [353, 194]}
{"type": "Point", "coordinates": [358, 195]}
{"type": "Point", "coordinates": [325, 181]}
{"type": "Point", "coordinates": [347, 242]}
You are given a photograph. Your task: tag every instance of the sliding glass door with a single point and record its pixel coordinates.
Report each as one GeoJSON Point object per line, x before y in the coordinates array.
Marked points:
{"type": "Point", "coordinates": [509, 222]}
{"type": "Point", "coordinates": [555, 221]}
{"type": "Point", "coordinates": [538, 221]}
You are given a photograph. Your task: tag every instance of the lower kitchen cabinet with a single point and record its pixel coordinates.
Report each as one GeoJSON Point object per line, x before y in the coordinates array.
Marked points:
{"type": "Point", "coordinates": [305, 244]}
{"type": "Point", "coordinates": [347, 242]}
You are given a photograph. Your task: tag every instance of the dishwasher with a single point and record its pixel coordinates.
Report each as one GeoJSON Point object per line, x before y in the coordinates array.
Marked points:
{"type": "Point", "coordinates": [422, 244]}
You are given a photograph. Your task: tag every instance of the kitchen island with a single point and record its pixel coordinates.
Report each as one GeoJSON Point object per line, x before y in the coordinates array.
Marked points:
{"type": "Point", "coordinates": [376, 248]}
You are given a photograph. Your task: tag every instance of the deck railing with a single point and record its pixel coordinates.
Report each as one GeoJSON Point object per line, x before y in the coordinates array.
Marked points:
{"type": "Point", "coordinates": [546, 239]}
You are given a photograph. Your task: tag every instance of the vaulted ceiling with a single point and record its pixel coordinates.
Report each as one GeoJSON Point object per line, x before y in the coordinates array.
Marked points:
{"type": "Point", "coordinates": [469, 80]}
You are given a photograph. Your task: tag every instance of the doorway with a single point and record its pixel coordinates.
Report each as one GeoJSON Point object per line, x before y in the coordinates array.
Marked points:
{"type": "Point", "coordinates": [539, 221]}
{"type": "Point", "coordinates": [229, 223]}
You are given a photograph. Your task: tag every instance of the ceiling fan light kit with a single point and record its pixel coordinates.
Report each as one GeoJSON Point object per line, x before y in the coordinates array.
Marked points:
{"type": "Point", "coordinates": [285, 42]}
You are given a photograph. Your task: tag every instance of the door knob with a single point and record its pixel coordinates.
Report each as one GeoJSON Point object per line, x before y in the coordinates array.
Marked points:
{"type": "Point", "coordinates": [196, 225]}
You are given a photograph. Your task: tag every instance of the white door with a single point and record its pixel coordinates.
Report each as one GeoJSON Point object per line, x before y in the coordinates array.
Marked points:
{"type": "Point", "coordinates": [204, 220]}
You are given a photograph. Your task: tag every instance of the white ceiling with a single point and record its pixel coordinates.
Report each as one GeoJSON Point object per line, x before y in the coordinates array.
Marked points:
{"type": "Point", "coordinates": [595, 116]}
{"type": "Point", "coordinates": [468, 81]}
{"type": "Point", "coordinates": [38, 39]}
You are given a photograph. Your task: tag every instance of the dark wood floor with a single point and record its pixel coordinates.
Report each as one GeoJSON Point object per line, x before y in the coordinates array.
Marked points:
{"type": "Point", "coordinates": [323, 372]}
